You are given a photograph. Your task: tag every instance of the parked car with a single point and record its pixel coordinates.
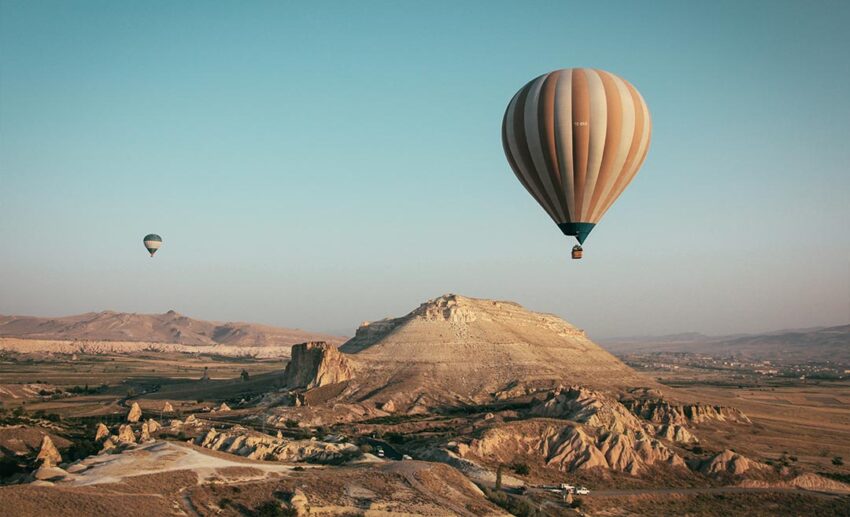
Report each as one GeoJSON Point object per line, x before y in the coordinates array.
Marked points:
{"type": "Point", "coordinates": [582, 490]}
{"type": "Point", "coordinates": [380, 452]}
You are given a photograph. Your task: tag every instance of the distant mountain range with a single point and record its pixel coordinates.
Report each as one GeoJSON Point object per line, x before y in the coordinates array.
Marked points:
{"type": "Point", "coordinates": [171, 327]}
{"type": "Point", "coordinates": [810, 344]}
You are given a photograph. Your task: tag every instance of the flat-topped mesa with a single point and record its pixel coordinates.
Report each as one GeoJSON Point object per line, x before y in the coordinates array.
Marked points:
{"type": "Point", "coordinates": [459, 312]}
{"type": "Point", "coordinates": [455, 349]}
{"type": "Point", "coordinates": [315, 364]}
{"type": "Point", "coordinates": [449, 307]}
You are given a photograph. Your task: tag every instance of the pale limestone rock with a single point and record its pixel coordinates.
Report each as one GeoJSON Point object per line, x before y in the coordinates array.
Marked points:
{"type": "Point", "coordinates": [48, 455]}
{"type": "Point", "coordinates": [76, 468]}
{"type": "Point", "coordinates": [568, 446]}
{"type": "Point", "coordinates": [167, 408]}
{"type": "Point", "coordinates": [590, 407]}
{"type": "Point", "coordinates": [257, 446]}
{"type": "Point", "coordinates": [49, 473]}
{"type": "Point", "coordinates": [102, 432]}
{"type": "Point", "coordinates": [153, 425]}
{"type": "Point", "coordinates": [731, 463]}
{"type": "Point", "coordinates": [144, 434]}
{"type": "Point", "coordinates": [125, 434]}
{"type": "Point", "coordinates": [676, 433]}
{"type": "Point", "coordinates": [662, 412]}
{"type": "Point", "coordinates": [135, 413]}
{"type": "Point", "coordinates": [110, 443]}
{"type": "Point", "coordinates": [314, 364]}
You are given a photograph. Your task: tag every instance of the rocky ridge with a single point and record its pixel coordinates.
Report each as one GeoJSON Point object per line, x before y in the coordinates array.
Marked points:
{"type": "Point", "coordinates": [315, 364]}
{"type": "Point", "coordinates": [243, 442]}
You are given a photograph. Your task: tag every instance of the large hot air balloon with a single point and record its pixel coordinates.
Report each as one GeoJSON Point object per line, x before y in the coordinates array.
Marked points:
{"type": "Point", "coordinates": [575, 138]}
{"type": "Point", "coordinates": [152, 243]}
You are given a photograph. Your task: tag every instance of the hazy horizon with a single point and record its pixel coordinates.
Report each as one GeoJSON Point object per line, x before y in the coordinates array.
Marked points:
{"type": "Point", "coordinates": [350, 332]}
{"type": "Point", "coordinates": [317, 166]}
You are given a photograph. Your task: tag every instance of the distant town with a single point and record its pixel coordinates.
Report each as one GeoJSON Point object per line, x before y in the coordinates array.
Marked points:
{"type": "Point", "coordinates": [673, 367]}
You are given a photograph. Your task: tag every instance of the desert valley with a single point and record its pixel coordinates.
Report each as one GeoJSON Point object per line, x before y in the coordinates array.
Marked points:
{"type": "Point", "coordinates": [464, 406]}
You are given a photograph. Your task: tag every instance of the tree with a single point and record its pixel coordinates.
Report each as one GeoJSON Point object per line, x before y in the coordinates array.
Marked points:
{"type": "Point", "coordinates": [499, 477]}
{"type": "Point", "coordinates": [838, 460]}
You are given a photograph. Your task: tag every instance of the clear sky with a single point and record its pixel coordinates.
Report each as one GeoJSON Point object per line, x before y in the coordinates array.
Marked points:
{"type": "Point", "coordinates": [315, 164]}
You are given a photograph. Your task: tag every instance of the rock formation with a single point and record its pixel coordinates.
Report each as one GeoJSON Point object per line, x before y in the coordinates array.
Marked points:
{"type": "Point", "coordinates": [730, 463]}
{"type": "Point", "coordinates": [675, 433]}
{"type": "Point", "coordinates": [570, 447]}
{"type": "Point", "coordinates": [167, 408]}
{"type": "Point", "coordinates": [48, 472]}
{"type": "Point", "coordinates": [110, 443]}
{"type": "Point", "coordinates": [102, 432]}
{"type": "Point", "coordinates": [144, 434]}
{"type": "Point", "coordinates": [663, 412]}
{"type": "Point", "coordinates": [135, 413]}
{"type": "Point", "coordinates": [589, 407]}
{"type": "Point", "coordinates": [455, 350]}
{"type": "Point", "coordinates": [253, 445]}
{"type": "Point", "coordinates": [222, 407]}
{"type": "Point", "coordinates": [153, 425]}
{"type": "Point", "coordinates": [48, 455]}
{"type": "Point", "coordinates": [314, 364]}
{"type": "Point", "coordinates": [125, 434]}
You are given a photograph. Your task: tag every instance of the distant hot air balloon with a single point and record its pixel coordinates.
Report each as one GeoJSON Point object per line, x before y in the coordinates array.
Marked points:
{"type": "Point", "coordinates": [575, 138]}
{"type": "Point", "coordinates": [152, 243]}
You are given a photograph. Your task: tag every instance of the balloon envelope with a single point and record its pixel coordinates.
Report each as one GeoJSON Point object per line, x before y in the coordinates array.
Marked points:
{"type": "Point", "coordinates": [152, 242]}
{"type": "Point", "coordinates": [575, 138]}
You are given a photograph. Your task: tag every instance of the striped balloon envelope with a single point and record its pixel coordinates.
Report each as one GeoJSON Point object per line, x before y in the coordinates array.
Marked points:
{"type": "Point", "coordinates": [152, 242]}
{"type": "Point", "coordinates": [575, 138]}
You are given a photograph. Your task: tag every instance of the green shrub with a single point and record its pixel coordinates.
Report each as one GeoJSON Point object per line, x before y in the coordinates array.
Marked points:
{"type": "Point", "coordinates": [395, 437]}
{"type": "Point", "coordinates": [519, 506]}
{"type": "Point", "coordinates": [274, 509]}
{"type": "Point", "coordinates": [521, 468]}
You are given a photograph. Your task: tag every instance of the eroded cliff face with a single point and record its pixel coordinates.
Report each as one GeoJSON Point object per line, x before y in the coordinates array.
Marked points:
{"type": "Point", "coordinates": [315, 364]}
{"type": "Point", "coordinates": [569, 447]}
{"type": "Point", "coordinates": [663, 412]}
{"type": "Point", "coordinates": [257, 446]}
{"type": "Point", "coordinates": [590, 407]}
{"type": "Point", "coordinates": [730, 463]}
{"type": "Point", "coordinates": [580, 428]}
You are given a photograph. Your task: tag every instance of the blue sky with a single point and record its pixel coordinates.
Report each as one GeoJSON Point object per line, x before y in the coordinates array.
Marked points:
{"type": "Point", "coordinates": [318, 165]}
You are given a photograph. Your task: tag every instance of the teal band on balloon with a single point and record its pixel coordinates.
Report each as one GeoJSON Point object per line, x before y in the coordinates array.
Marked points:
{"type": "Point", "coordinates": [578, 230]}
